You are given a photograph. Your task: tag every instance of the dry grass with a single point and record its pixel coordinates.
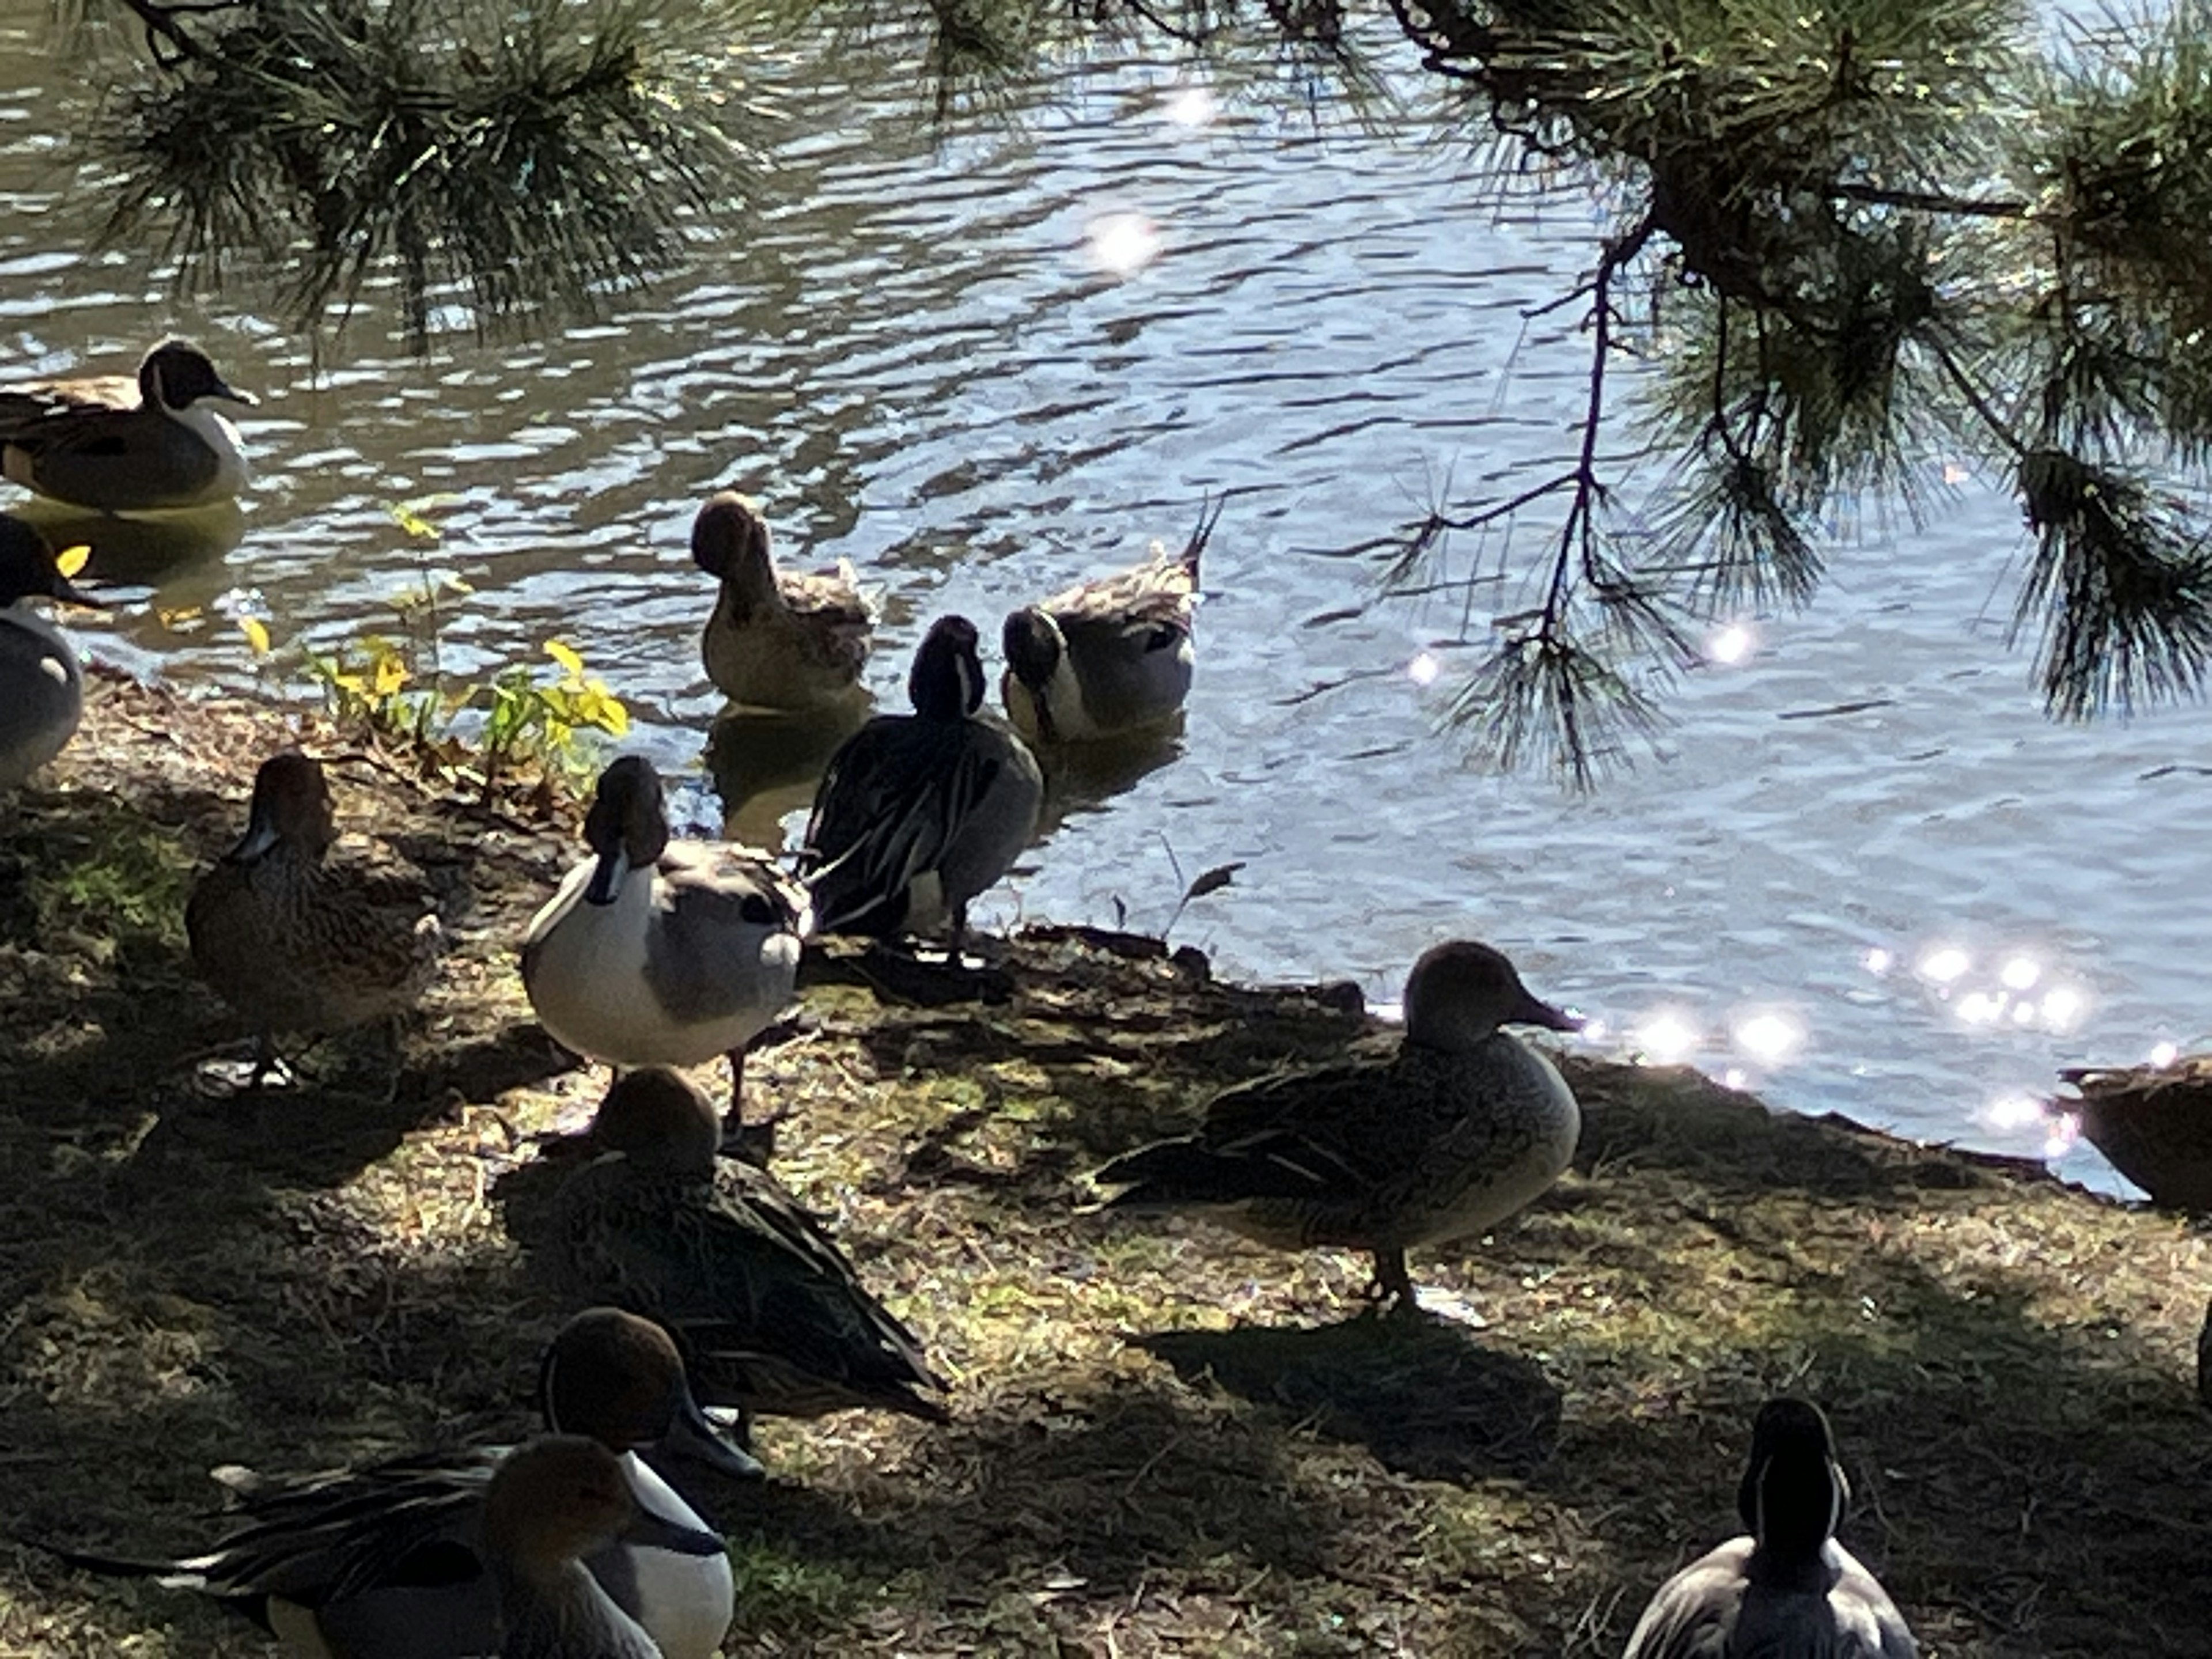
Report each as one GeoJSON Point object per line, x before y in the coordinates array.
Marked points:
{"type": "Point", "coordinates": [1167, 1442]}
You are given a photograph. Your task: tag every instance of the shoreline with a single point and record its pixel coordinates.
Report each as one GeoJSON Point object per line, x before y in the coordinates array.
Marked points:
{"type": "Point", "coordinates": [1165, 1439]}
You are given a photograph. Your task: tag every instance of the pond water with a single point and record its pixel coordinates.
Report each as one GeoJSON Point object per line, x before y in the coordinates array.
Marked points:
{"type": "Point", "coordinates": [1864, 873]}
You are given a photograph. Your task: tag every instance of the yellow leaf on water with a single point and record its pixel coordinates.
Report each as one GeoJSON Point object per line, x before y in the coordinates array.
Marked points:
{"type": "Point", "coordinates": [257, 633]}
{"type": "Point", "coordinates": [174, 620]}
{"type": "Point", "coordinates": [70, 560]}
{"type": "Point", "coordinates": [569, 661]}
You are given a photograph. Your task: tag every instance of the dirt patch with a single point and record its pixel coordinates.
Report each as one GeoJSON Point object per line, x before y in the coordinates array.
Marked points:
{"type": "Point", "coordinates": [1165, 1440]}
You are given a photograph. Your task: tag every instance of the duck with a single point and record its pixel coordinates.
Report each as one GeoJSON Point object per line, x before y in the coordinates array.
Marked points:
{"type": "Point", "coordinates": [41, 681]}
{"type": "Point", "coordinates": [297, 938]}
{"type": "Point", "coordinates": [918, 813]}
{"type": "Point", "coordinates": [1786, 1586]}
{"type": "Point", "coordinates": [1459, 1129]}
{"type": "Point", "coordinates": [551, 1506]}
{"type": "Point", "coordinates": [150, 443]}
{"type": "Point", "coordinates": [395, 1561]}
{"type": "Point", "coordinates": [662, 952]}
{"type": "Point", "coordinates": [789, 640]}
{"type": "Point", "coordinates": [770, 1314]}
{"type": "Point", "coordinates": [1108, 658]}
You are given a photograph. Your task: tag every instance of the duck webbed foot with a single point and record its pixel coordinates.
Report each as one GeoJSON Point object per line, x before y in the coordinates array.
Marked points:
{"type": "Point", "coordinates": [1391, 1291]}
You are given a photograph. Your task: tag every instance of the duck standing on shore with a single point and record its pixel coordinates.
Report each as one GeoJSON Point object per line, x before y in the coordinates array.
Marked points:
{"type": "Point", "coordinates": [771, 1315]}
{"type": "Point", "coordinates": [1786, 1587]}
{"type": "Point", "coordinates": [1108, 658]}
{"type": "Point", "coordinates": [662, 952]}
{"type": "Point", "coordinates": [918, 813]}
{"type": "Point", "coordinates": [116, 444]}
{"type": "Point", "coordinates": [400, 1560]}
{"type": "Point", "coordinates": [784, 640]}
{"type": "Point", "coordinates": [42, 682]}
{"type": "Point", "coordinates": [299, 939]}
{"type": "Point", "coordinates": [1458, 1130]}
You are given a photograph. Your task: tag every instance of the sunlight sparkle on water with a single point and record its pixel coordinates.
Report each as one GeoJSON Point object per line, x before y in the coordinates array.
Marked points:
{"type": "Point", "coordinates": [1731, 645]}
{"type": "Point", "coordinates": [2064, 1131]}
{"type": "Point", "coordinates": [2021, 972]}
{"type": "Point", "coordinates": [1190, 106]}
{"type": "Point", "coordinates": [1770, 1037]}
{"type": "Point", "coordinates": [1665, 1038]}
{"type": "Point", "coordinates": [1424, 669]}
{"type": "Point", "coordinates": [1980, 1008]}
{"type": "Point", "coordinates": [2062, 1004]}
{"type": "Point", "coordinates": [1735, 1077]}
{"type": "Point", "coordinates": [1122, 244]}
{"type": "Point", "coordinates": [1945, 964]}
{"type": "Point", "coordinates": [2165, 1054]}
{"type": "Point", "coordinates": [2013, 1112]}
{"type": "Point", "coordinates": [1877, 960]}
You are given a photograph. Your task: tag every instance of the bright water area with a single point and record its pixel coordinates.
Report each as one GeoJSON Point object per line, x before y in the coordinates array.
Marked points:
{"type": "Point", "coordinates": [1865, 874]}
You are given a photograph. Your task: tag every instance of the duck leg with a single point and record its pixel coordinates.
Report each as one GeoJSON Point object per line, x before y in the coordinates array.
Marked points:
{"type": "Point", "coordinates": [1393, 1290]}
{"type": "Point", "coordinates": [754, 1143]}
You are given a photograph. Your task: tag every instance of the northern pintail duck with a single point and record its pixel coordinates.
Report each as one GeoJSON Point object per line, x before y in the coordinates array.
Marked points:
{"type": "Point", "coordinates": [662, 952]}
{"type": "Point", "coordinates": [126, 445]}
{"type": "Point", "coordinates": [299, 939]}
{"type": "Point", "coordinates": [41, 682]}
{"type": "Point", "coordinates": [920, 812]}
{"type": "Point", "coordinates": [771, 1315]}
{"type": "Point", "coordinates": [779, 639]}
{"type": "Point", "coordinates": [1786, 1587]}
{"type": "Point", "coordinates": [395, 1560]}
{"type": "Point", "coordinates": [1108, 658]}
{"type": "Point", "coordinates": [1458, 1130]}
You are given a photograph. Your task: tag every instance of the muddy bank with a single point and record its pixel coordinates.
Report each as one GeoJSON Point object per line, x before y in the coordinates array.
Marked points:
{"type": "Point", "coordinates": [1165, 1440]}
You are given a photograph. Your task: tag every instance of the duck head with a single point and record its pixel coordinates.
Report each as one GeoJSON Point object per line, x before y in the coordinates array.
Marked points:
{"type": "Point", "coordinates": [729, 542]}
{"type": "Point", "coordinates": [627, 827]}
{"type": "Point", "coordinates": [176, 375]}
{"type": "Point", "coordinates": [291, 808]}
{"type": "Point", "coordinates": [619, 1379]}
{"type": "Point", "coordinates": [946, 681]}
{"type": "Point", "coordinates": [27, 570]}
{"type": "Point", "coordinates": [656, 1117]}
{"type": "Point", "coordinates": [1033, 647]}
{"type": "Point", "coordinates": [563, 1496]}
{"type": "Point", "coordinates": [1460, 993]}
{"type": "Point", "coordinates": [1793, 1493]}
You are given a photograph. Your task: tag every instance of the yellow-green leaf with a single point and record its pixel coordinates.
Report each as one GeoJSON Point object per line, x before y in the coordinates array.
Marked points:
{"type": "Point", "coordinates": [257, 635]}
{"type": "Point", "coordinates": [569, 661]}
{"type": "Point", "coordinates": [70, 560]}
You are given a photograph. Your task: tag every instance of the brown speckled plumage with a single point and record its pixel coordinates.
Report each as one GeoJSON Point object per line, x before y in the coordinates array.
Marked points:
{"type": "Point", "coordinates": [777, 639]}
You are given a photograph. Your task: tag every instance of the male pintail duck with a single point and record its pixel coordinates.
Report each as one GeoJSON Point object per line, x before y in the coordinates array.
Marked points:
{"type": "Point", "coordinates": [391, 1561]}
{"type": "Point", "coordinates": [1108, 658]}
{"type": "Point", "coordinates": [298, 940]}
{"type": "Point", "coordinates": [121, 445]}
{"type": "Point", "coordinates": [778, 638]}
{"type": "Point", "coordinates": [920, 812]}
{"type": "Point", "coordinates": [1786, 1587]}
{"type": "Point", "coordinates": [661, 952]}
{"type": "Point", "coordinates": [41, 683]}
{"type": "Point", "coordinates": [770, 1314]}
{"type": "Point", "coordinates": [1458, 1130]}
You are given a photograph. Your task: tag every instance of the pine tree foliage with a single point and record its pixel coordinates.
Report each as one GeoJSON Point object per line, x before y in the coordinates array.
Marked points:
{"type": "Point", "coordinates": [1859, 245]}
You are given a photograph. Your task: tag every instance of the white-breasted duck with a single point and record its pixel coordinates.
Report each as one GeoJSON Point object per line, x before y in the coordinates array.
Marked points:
{"type": "Point", "coordinates": [124, 444]}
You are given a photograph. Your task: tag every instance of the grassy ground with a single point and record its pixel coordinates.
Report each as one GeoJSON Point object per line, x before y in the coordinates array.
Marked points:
{"type": "Point", "coordinates": [1166, 1441]}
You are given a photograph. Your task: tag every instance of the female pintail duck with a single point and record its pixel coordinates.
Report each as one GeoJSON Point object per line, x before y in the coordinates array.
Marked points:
{"type": "Point", "coordinates": [1458, 1130]}
{"type": "Point", "coordinates": [1786, 1587]}
{"type": "Point", "coordinates": [1107, 658]}
{"type": "Point", "coordinates": [920, 812]}
{"type": "Point", "coordinates": [41, 682]}
{"type": "Point", "coordinates": [298, 940]}
{"type": "Point", "coordinates": [769, 1312]}
{"type": "Point", "coordinates": [778, 638]}
{"type": "Point", "coordinates": [661, 952]}
{"type": "Point", "coordinates": [120, 445]}
{"type": "Point", "coordinates": [390, 1561]}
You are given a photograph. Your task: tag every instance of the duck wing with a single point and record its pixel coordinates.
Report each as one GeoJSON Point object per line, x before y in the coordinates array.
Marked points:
{"type": "Point", "coordinates": [33, 402]}
{"type": "Point", "coordinates": [719, 906]}
{"type": "Point", "coordinates": [892, 800]}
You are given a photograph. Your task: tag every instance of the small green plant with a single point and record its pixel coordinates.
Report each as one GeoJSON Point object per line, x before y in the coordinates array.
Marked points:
{"type": "Point", "coordinates": [550, 723]}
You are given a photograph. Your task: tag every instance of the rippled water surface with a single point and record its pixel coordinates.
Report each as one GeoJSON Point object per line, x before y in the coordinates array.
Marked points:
{"type": "Point", "coordinates": [1865, 873]}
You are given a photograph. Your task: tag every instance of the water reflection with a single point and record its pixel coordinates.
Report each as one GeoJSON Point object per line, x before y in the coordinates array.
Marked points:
{"type": "Point", "coordinates": [765, 765]}
{"type": "Point", "coordinates": [141, 548]}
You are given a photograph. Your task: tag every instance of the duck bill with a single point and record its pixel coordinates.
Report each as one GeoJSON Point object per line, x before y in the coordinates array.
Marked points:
{"type": "Point", "coordinates": [1535, 1011]}
{"type": "Point", "coordinates": [608, 875]}
{"type": "Point", "coordinates": [224, 390]}
{"type": "Point", "coordinates": [692, 1438]}
{"type": "Point", "coordinates": [260, 835]}
{"type": "Point", "coordinates": [657, 1532]}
